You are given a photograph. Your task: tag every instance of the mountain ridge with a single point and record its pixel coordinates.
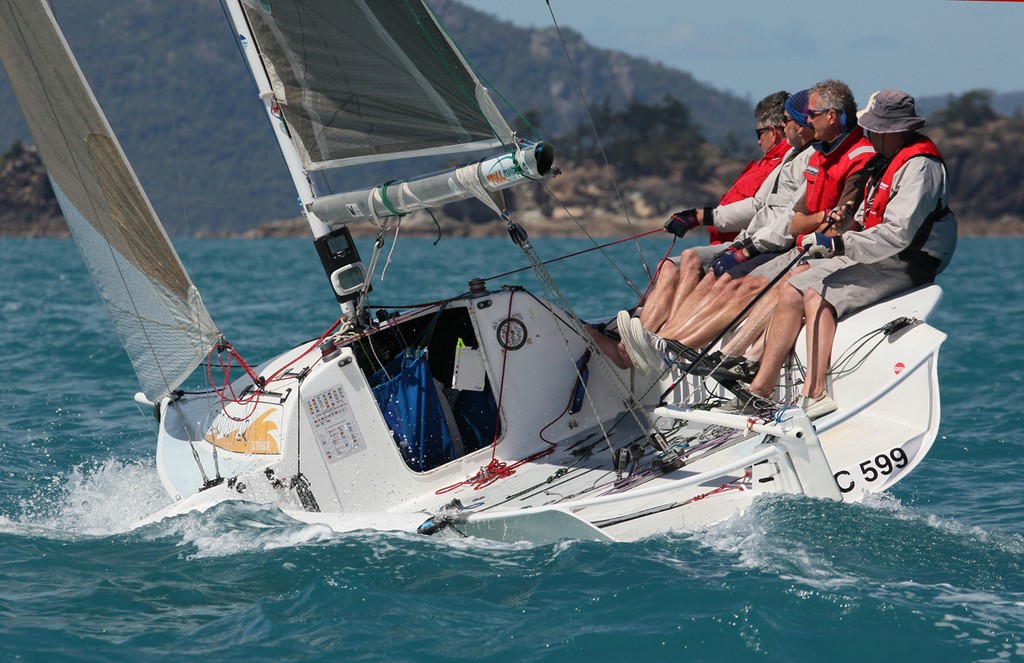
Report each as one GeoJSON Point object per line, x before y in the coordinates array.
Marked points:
{"type": "Point", "coordinates": [176, 92]}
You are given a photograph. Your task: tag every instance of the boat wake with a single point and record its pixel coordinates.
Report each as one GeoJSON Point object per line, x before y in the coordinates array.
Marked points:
{"type": "Point", "coordinates": [95, 499]}
{"type": "Point", "coordinates": [822, 546]}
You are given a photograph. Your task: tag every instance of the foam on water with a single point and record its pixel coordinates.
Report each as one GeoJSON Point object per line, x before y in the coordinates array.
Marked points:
{"type": "Point", "coordinates": [246, 529]}
{"type": "Point", "coordinates": [95, 499]}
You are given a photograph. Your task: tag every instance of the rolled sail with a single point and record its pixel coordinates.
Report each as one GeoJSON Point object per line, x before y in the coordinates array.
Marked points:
{"type": "Point", "coordinates": [155, 307]}
{"type": "Point", "coordinates": [359, 81]}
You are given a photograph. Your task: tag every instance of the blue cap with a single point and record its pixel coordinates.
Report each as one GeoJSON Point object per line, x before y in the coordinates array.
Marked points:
{"type": "Point", "coordinates": [796, 107]}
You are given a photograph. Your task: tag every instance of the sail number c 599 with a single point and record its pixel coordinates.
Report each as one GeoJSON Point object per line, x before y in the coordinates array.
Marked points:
{"type": "Point", "coordinates": [872, 469]}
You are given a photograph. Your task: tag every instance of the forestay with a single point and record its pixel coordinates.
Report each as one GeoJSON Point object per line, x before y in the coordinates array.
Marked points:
{"type": "Point", "coordinates": [359, 81]}
{"type": "Point", "coordinates": [155, 307]}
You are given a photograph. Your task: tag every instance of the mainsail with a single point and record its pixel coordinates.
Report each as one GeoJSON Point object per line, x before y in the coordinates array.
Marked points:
{"type": "Point", "coordinates": [353, 81]}
{"type": "Point", "coordinates": [155, 307]}
{"type": "Point", "coordinates": [361, 81]}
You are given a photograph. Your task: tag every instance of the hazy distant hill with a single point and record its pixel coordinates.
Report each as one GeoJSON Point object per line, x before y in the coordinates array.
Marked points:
{"type": "Point", "coordinates": [1010, 104]}
{"type": "Point", "coordinates": [528, 67]}
{"type": "Point", "coordinates": [162, 70]}
{"type": "Point", "coordinates": [142, 64]}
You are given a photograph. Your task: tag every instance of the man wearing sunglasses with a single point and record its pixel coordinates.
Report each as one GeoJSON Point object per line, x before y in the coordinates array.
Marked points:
{"type": "Point", "coordinates": [722, 293]}
{"type": "Point", "coordinates": [835, 173]}
{"type": "Point", "coordinates": [734, 213]}
{"type": "Point", "coordinates": [678, 310]}
{"type": "Point", "coordinates": [734, 209]}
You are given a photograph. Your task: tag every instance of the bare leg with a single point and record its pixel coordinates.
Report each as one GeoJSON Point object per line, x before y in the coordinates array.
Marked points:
{"type": "Point", "coordinates": [759, 316]}
{"type": "Point", "coordinates": [687, 308]}
{"type": "Point", "coordinates": [785, 327]}
{"type": "Point", "coordinates": [749, 338]}
{"type": "Point", "coordinates": [720, 291]}
{"type": "Point", "coordinates": [821, 331]}
{"type": "Point", "coordinates": [659, 302]}
{"type": "Point", "coordinates": [733, 298]}
{"type": "Point", "coordinates": [754, 349]}
{"type": "Point", "coordinates": [611, 348]}
{"type": "Point", "coordinates": [690, 289]}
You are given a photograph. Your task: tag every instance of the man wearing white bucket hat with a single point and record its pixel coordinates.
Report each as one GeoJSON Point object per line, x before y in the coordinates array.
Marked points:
{"type": "Point", "coordinates": [908, 237]}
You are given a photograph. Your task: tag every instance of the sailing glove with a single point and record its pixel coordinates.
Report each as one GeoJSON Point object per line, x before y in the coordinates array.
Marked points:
{"type": "Point", "coordinates": [820, 245]}
{"type": "Point", "coordinates": [681, 222]}
{"type": "Point", "coordinates": [737, 253]}
{"type": "Point", "coordinates": [727, 262]}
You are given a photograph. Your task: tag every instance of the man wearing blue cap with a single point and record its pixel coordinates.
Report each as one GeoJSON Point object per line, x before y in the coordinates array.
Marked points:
{"type": "Point", "coordinates": [697, 319]}
{"type": "Point", "coordinates": [735, 211]}
{"type": "Point", "coordinates": [835, 173]}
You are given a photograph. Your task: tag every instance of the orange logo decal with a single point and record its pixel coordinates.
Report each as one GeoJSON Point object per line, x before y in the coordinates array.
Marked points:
{"type": "Point", "coordinates": [256, 439]}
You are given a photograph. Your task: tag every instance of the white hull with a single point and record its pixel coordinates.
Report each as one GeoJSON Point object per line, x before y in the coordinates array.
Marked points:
{"type": "Point", "coordinates": [328, 427]}
{"type": "Point", "coordinates": [312, 438]}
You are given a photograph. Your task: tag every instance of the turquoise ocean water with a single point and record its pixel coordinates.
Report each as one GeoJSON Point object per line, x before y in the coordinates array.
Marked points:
{"type": "Point", "coordinates": [931, 571]}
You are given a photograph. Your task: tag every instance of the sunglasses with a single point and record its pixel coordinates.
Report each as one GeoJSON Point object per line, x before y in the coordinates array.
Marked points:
{"type": "Point", "coordinates": [815, 112]}
{"type": "Point", "coordinates": [760, 132]}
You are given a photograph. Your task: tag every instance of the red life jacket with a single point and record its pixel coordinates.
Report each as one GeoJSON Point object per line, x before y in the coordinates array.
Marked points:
{"type": "Point", "coordinates": [875, 209]}
{"type": "Point", "coordinates": [747, 184]}
{"type": "Point", "coordinates": [827, 173]}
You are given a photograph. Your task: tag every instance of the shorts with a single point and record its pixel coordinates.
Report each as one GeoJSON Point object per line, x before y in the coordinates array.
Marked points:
{"type": "Point", "coordinates": [776, 265]}
{"type": "Point", "coordinates": [849, 285]}
{"type": "Point", "coordinates": [750, 265]}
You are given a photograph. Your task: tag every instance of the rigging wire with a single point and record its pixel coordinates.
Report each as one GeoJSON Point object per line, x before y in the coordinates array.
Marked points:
{"type": "Point", "coordinates": [169, 88]}
{"type": "Point", "coordinates": [597, 136]}
{"type": "Point", "coordinates": [596, 247]}
{"type": "Point", "coordinates": [556, 296]}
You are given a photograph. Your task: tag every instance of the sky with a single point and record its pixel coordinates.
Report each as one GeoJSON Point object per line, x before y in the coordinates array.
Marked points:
{"type": "Point", "coordinates": [755, 47]}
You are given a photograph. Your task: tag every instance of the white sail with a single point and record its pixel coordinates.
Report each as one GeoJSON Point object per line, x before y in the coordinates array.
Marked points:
{"type": "Point", "coordinates": [155, 307]}
{"type": "Point", "coordinates": [360, 81]}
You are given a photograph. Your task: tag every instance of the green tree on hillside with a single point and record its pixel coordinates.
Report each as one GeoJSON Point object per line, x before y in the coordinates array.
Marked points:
{"type": "Point", "coordinates": [972, 108]}
{"type": "Point", "coordinates": [641, 139]}
{"type": "Point", "coordinates": [15, 150]}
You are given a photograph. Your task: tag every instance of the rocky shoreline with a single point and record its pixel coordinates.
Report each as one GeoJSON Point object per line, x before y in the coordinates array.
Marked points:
{"type": "Point", "coordinates": [568, 207]}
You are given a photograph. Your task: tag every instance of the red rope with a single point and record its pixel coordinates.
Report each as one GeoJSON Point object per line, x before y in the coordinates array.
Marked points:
{"type": "Point", "coordinates": [486, 476]}
{"type": "Point", "coordinates": [226, 390]}
{"type": "Point", "coordinates": [497, 469]}
{"type": "Point", "coordinates": [723, 488]}
{"type": "Point", "coordinates": [578, 253]}
{"type": "Point", "coordinates": [650, 284]}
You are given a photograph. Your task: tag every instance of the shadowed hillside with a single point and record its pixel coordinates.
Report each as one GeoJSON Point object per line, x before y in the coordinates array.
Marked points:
{"type": "Point", "coordinates": [174, 88]}
{"type": "Point", "coordinates": [173, 85]}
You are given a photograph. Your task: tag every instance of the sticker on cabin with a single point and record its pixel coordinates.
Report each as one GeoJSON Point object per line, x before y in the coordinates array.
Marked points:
{"type": "Point", "coordinates": [256, 438]}
{"type": "Point", "coordinates": [335, 424]}
{"type": "Point", "coordinates": [899, 368]}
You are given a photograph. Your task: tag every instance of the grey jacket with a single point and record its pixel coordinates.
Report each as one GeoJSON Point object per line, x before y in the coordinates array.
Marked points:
{"type": "Point", "coordinates": [918, 188]}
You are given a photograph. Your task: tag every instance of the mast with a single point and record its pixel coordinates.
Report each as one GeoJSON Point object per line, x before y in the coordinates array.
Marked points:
{"type": "Point", "coordinates": [346, 82]}
{"type": "Point", "coordinates": [250, 51]}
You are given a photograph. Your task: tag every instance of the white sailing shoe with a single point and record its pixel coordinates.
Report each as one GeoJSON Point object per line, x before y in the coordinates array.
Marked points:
{"type": "Point", "coordinates": [819, 406]}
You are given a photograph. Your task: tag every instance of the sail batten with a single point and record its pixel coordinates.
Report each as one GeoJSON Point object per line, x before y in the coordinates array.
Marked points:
{"type": "Point", "coordinates": [360, 81]}
{"type": "Point", "coordinates": [156, 309]}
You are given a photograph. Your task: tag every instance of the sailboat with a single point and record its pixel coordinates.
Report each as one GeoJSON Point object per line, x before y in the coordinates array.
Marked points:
{"type": "Point", "coordinates": [489, 414]}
